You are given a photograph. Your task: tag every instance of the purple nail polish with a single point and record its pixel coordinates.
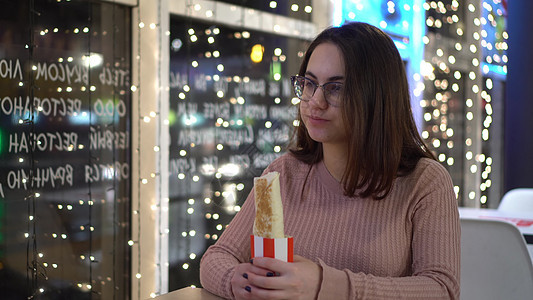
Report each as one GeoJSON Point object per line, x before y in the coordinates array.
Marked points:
{"type": "Point", "coordinates": [270, 274]}
{"type": "Point", "coordinates": [252, 261]}
{"type": "Point", "coordinates": [245, 275]}
{"type": "Point", "coordinates": [248, 289]}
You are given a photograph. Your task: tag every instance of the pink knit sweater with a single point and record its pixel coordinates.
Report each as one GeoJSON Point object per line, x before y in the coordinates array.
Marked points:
{"type": "Point", "coordinates": [405, 246]}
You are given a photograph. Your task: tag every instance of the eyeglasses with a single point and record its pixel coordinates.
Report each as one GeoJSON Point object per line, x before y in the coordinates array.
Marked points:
{"type": "Point", "coordinates": [305, 88]}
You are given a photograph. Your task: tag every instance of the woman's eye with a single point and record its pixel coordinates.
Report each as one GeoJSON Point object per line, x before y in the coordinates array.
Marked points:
{"type": "Point", "coordinates": [309, 83]}
{"type": "Point", "coordinates": [335, 88]}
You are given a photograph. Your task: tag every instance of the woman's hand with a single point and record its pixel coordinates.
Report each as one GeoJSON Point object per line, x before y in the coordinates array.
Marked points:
{"type": "Point", "coordinates": [268, 278]}
{"type": "Point", "coordinates": [240, 286]}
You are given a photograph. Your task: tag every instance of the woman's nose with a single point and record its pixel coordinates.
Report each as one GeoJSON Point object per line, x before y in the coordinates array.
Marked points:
{"type": "Point", "coordinates": [319, 99]}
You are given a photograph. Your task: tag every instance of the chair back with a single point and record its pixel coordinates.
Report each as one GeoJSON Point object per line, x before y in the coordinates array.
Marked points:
{"type": "Point", "coordinates": [495, 263]}
{"type": "Point", "coordinates": [517, 200]}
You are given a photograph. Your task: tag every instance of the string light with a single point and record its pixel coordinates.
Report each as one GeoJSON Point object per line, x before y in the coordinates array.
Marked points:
{"type": "Point", "coordinates": [34, 182]}
{"type": "Point", "coordinates": [448, 15]}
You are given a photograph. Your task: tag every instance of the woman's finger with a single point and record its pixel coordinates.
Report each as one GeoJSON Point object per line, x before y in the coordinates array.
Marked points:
{"type": "Point", "coordinates": [272, 264]}
{"type": "Point", "coordinates": [267, 282]}
{"type": "Point", "coordinates": [260, 271]}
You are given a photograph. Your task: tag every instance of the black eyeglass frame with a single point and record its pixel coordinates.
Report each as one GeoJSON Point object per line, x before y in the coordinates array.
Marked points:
{"type": "Point", "coordinates": [299, 94]}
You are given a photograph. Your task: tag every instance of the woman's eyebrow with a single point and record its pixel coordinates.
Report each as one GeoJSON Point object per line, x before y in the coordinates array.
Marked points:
{"type": "Point", "coordinates": [330, 79]}
{"type": "Point", "coordinates": [336, 78]}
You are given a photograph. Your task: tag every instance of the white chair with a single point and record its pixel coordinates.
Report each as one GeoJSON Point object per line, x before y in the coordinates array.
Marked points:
{"type": "Point", "coordinates": [495, 263]}
{"type": "Point", "coordinates": [517, 200]}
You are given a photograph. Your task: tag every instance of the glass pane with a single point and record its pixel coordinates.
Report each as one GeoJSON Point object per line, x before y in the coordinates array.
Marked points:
{"type": "Point", "coordinates": [231, 114]}
{"type": "Point", "coordinates": [64, 149]}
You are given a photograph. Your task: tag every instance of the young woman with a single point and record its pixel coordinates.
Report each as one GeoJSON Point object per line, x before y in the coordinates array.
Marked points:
{"type": "Point", "coordinates": [373, 215]}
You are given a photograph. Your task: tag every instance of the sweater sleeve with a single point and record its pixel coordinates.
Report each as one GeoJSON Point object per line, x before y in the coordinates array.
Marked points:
{"type": "Point", "coordinates": [232, 248]}
{"type": "Point", "coordinates": [218, 263]}
{"type": "Point", "coordinates": [435, 249]}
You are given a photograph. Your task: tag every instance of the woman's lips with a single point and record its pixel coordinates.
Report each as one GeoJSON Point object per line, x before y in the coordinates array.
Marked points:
{"type": "Point", "coordinates": [316, 120]}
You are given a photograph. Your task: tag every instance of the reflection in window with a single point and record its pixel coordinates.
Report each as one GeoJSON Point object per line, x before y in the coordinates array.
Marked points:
{"type": "Point", "coordinates": [65, 150]}
{"type": "Point", "coordinates": [231, 114]}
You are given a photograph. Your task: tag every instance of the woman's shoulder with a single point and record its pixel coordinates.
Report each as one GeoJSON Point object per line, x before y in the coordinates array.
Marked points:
{"type": "Point", "coordinates": [428, 178]}
{"type": "Point", "coordinates": [429, 172]}
{"type": "Point", "coordinates": [430, 167]}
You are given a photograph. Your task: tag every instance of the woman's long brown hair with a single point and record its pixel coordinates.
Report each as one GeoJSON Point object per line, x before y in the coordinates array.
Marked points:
{"type": "Point", "coordinates": [384, 142]}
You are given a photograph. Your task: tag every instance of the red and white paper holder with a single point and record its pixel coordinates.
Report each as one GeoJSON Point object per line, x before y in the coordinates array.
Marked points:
{"type": "Point", "coordinates": [281, 248]}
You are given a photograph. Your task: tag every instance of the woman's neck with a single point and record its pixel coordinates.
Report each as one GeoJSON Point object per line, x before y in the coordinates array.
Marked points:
{"type": "Point", "coordinates": [335, 159]}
